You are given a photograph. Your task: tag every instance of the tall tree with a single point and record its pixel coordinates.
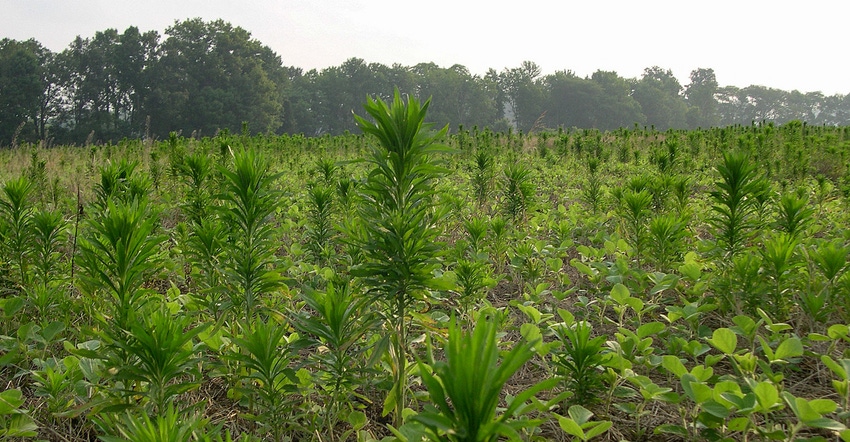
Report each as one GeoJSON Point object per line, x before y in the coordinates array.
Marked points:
{"type": "Point", "coordinates": [459, 97]}
{"type": "Point", "coordinates": [524, 95]}
{"type": "Point", "coordinates": [702, 106]}
{"type": "Point", "coordinates": [658, 94]}
{"type": "Point", "coordinates": [616, 106]}
{"type": "Point", "coordinates": [340, 90]}
{"type": "Point", "coordinates": [21, 88]}
{"type": "Point", "coordinates": [213, 76]}
{"type": "Point", "coordinates": [134, 57]}
{"type": "Point", "coordinates": [572, 101]}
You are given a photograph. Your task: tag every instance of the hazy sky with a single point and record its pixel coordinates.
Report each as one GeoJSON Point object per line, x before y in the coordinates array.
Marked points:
{"type": "Point", "coordinates": [785, 45]}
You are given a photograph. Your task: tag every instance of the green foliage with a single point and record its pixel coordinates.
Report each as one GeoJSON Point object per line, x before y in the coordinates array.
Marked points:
{"type": "Point", "coordinates": [15, 422]}
{"type": "Point", "coordinates": [465, 389]}
{"type": "Point", "coordinates": [592, 189]}
{"type": "Point", "coordinates": [579, 358]}
{"type": "Point", "coordinates": [517, 191]}
{"type": "Point", "coordinates": [249, 201]}
{"type": "Point", "coordinates": [578, 423]}
{"type": "Point", "coordinates": [399, 224]}
{"type": "Point", "coordinates": [733, 202]}
{"type": "Point", "coordinates": [118, 253]}
{"type": "Point", "coordinates": [696, 342]}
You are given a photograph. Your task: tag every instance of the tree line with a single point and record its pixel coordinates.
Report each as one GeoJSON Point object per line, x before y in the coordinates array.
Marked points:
{"type": "Point", "coordinates": [202, 77]}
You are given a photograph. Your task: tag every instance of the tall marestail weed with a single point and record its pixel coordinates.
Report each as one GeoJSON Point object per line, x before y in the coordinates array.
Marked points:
{"type": "Point", "coordinates": [793, 216]}
{"type": "Point", "coordinates": [249, 201]}
{"type": "Point", "coordinates": [734, 207]}
{"type": "Point", "coordinates": [120, 182]}
{"type": "Point", "coordinates": [48, 237]}
{"type": "Point", "coordinates": [17, 210]}
{"type": "Point", "coordinates": [320, 229]}
{"type": "Point", "coordinates": [398, 230]}
{"type": "Point", "coordinates": [262, 350]}
{"type": "Point", "coordinates": [196, 171]}
{"type": "Point", "coordinates": [482, 176]}
{"type": "Point", "coordinates": [165, 359]}
{"type": "Point", "coordinates": [118, 252]}
{"type": "Point", "coordinates": [517, 191]}
{"type": "Point", "coordinates": [338, 320]}
{"type": "Point", "coordinates": [635, 210]}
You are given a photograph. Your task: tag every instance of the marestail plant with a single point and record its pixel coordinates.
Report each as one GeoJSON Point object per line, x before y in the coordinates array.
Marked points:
{"type": "Point", "coordinates": [338, 320]}
{"type": "Point", "coordinates": [794, 215]}
{"type": "Point", "coordinates": [320, 229]}
{"type": "Point", "coordinates": [249, 200]}
{"type": "Point", "coordinates": [196, 171]}
{"type": "Point", "coordinates": [120, 182]}
{"type": "Point", "coordinates": [482, 176]}
{"type": "Point", "coordinates": [164, 361]}
{"type": "Point", "coordinates": [118, 252]}
{"type": "Point", "coordinates": [579, 358]}
{"type": "Point", "coordinates": [466, 388]}
{"type": "Point", "coordinates": [398, 232]}
{"type": "Point", "coordinates": [16, 210]}
{"type": "Point", "coordinates": [517, 191]}
{"type": "Point", "coordinates": [734, 202]}
{"type": "Point", "coordinates": [635, 211]}
{"type": "Point", "coordinates": [264, 356]}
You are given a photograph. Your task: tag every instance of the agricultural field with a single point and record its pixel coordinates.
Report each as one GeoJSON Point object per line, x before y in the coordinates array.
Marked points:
{"type": "Point", "coordinates": [409, 284]}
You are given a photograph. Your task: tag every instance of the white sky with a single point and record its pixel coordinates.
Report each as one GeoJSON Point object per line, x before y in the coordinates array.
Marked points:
{"type": "Point", "coordinates": [785, 45]}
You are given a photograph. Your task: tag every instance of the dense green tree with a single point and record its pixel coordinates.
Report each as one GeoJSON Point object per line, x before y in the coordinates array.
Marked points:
{"type": "Point", "coordinates": [340, 90]}
{"type": "Point", "coordinates": [753, 103]}
{"type": "Point", "coordinates": [616, 106]}
{"type": "Point", "coordinates": [835, 110]}
{"type": "Point", "coordinates": [212, 76]}
{"type": "Point", "coordinates": [601, 101]}
{"type": "Point", "coordinates": [298, 105]}
{"type": "Point", "coordinates": [524, 94]}
{"type": "Point", "coordinates": [135, 54]}
{"type": "Point", "coordinates": [21, 89]}
{"type": "Point", "coordinates": [572, 101]}
{"type": "Point", "coordinates": [658, 94]}
{"type": "Point", "coordinates": [98, 85]}
{"type": "Point", "coordinates": [207, 76]}
{"type": "Point", "coordinates": [702, 106]}
{"type": "Point", "coordinates": [459, 97]}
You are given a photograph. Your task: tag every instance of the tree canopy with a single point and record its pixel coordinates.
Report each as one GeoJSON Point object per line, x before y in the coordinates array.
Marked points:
{"type": "Point", "coordinates": [201, 77]}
